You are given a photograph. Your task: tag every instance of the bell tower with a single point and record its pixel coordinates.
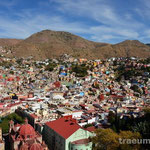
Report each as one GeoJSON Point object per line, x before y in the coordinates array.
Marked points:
{"type": "Point", "coordinates": [0, 134]}
{"type": "Point", "coordinates": [11, 125]}
{"type": "Point", "coordinates": [1, 140]}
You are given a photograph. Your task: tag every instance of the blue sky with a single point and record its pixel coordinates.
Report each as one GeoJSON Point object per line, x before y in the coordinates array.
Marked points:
{"type": "Point", "coordinates": [97, 20]}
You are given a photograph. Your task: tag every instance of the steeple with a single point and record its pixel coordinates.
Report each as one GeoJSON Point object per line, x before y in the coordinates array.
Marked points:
{"type": "Point", "coordinates": [11, 125]}
{"type": "Point", "coordinates": [26, 121]}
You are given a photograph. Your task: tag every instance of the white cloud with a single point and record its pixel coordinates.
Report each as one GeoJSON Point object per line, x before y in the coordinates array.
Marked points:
{"type": "Point", "coordinates": [110, 21]}
{"type": "Point", "coordinates": [103, 38]}
{"type": "Point", "coordinates": [110, 24]}
{"type": "Point", "coordinates": [143, 9]}
{"type": "Point", "coordinates": [30, 23]}
{"type": "Point", "coordinates": [95, 9]}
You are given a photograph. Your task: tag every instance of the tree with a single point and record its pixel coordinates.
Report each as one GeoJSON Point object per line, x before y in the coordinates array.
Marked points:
{"type": "Point", "coordinates": [143, 128]}
{"type": "Point", "coordinates": [147, 112]}
{"type": "Point", "coordinates": [50, 67]}
{"type": "Point", "coordinates": [136, 88]}
{"type": "Point", "coordinates": [88, 125]}
{"type": "Point", "coordinates": [105, 139]}
{"type": "Point", "coordinates": [19, 61]}
{"type": "Point", "coordinates": [128, 137]}
{"type": "Point", "coordinates": [80, 70]}
{"type": "Point", "coordinates": [5, 121]}
{"type": "Point", "coordinates": [111, 118]}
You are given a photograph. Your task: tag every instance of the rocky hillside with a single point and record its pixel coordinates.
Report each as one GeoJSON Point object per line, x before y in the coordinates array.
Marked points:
{"type": "Point", "coordinates": [50, 44]}
{"type": "Point", "coordinates": [9, 42]}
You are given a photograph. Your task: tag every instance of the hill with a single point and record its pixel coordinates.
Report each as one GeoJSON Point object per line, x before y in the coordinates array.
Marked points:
{"type": "Point", "coordinates": [51, 44]}
{"type": "Point", "coordinates": [130, 48]}
{"type": "Point", "coordinates": [9, 42]}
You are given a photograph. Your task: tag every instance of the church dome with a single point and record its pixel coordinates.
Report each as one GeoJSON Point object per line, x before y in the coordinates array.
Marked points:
{"type": "Point", "coordinates": [24, 147]}
{"type": "Point", "coordinates": [36, 146]}
{"type": "Point", "coordinates": [26, 130]}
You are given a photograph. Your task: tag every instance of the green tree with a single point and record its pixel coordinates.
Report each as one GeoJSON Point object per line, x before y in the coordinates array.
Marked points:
{"type": "Point", "coordinates": [105, 139]}
{"type": "Point", "coordinates": [80, 70]}
{"type": "Point", "coordinates": [88, 125]}
{"type": "Point", "coordinates": [111, 117]}
{"type": "Point", "coordinates": [5, 121]}
{"type": "Point", "coordinates": [50, 67]}
{"type": "Point", "coordinates": [127, 136]}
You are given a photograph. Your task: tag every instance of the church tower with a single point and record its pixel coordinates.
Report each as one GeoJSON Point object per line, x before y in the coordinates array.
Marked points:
{"type": "Point", "coordinates": [11, 125]}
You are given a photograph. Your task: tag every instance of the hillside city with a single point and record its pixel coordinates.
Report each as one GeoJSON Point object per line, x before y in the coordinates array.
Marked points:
{"type": "Point", "coordinates": [73, 103]}
{"type": "Point", "coordinates": [74, 75]}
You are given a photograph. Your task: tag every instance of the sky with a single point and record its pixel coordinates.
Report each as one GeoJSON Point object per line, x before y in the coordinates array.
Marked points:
{"type": "Point", "coordinates": [110, 21]}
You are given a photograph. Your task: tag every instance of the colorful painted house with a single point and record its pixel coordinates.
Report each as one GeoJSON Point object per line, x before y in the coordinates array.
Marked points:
{"type": "Point", "coordinates": [66, 134]}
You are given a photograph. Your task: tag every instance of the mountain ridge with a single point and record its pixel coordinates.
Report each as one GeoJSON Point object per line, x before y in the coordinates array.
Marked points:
{"type": "Point", "coordinates": [51, 44]}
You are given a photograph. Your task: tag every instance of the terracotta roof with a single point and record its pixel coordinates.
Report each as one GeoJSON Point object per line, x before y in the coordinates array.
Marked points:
{"type": "Point", "coordinates": [24, 147]}
{"type": "Point", "coordinates": [15, 104]}
{"type": "Point", "coordinates": [33, 116]}
{"type": "Point", "coordinates": [57, 84]}
{"type": "Point", "coordinates": [26, 130]}
{"type": "Point", "coordinates": [36, 146]}
{"type": "Point", "coordinates": [63, 127]}
{"type": "Point", "coordinates": [91, 129]}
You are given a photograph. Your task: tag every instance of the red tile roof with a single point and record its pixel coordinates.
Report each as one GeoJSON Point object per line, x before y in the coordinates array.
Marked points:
{"type": "Point", "coordinates": [57, 84]}
{"type": "Point", "coordinates": [15, 104]}
{"type": "Point", "coordinates": [36, 146]}
{"type": "Point", "coordinates": [33, 116]}
{"type": "Point", "coordinates": [25, 130]}
{"type": "Point", "coordinates": [63, 127]}
{"type": "Point", "coordinates": [91, 129]}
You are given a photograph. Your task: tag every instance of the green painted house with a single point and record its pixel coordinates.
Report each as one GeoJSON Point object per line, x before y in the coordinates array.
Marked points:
{"type": "Point", "coordinates": [66, 134]}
